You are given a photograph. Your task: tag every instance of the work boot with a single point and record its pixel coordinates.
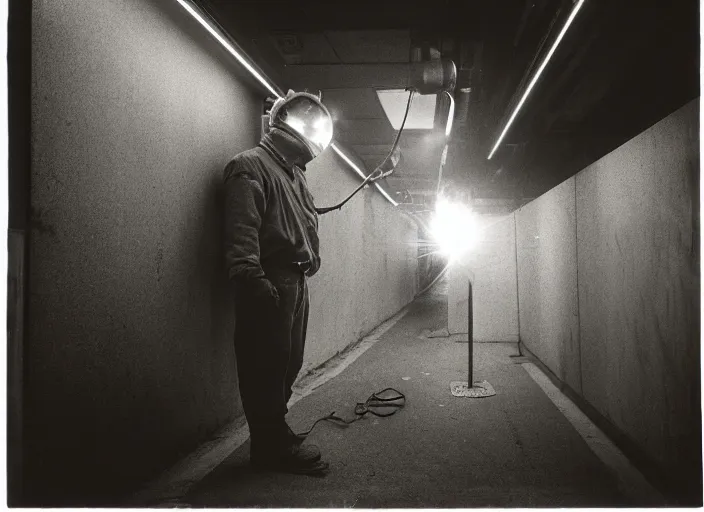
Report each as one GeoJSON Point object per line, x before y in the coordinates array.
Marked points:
{"type": "Point", "coordinates": [303, 460]}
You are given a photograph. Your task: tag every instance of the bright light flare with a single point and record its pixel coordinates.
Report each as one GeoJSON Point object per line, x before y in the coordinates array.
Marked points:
{"type": "Point", "coordinates": [455, 228]}
{"type": "Point", "coordinates": [296, 124]}
{"type": "Point", "coordinates": [319, 133]}
{"type": "Point", "coordinates": [322, 131]}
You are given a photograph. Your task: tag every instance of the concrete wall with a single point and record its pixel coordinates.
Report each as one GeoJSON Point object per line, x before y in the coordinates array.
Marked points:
{"type": "Point", "coordinates": [638, 289]}
{"type": "Point", "coordinates": [129, 362]}
{"type": "Point", "coordinates": [547, 285]}
{"type": "Point", "coordinates": [634, 215]}
{"type": "Point", "coordinates": [369, 262]}
{"type": "Point", "coordinates": [492, 266]}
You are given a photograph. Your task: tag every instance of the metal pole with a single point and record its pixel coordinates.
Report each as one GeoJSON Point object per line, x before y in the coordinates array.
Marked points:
{"type": "Point", "coordinates": [470, 336]}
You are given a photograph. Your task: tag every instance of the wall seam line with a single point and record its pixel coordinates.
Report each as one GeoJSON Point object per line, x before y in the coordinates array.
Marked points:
{"type": "Point", "coordinates": [518, 299]}
{"type": "Point", "coordinates": [579, 318]}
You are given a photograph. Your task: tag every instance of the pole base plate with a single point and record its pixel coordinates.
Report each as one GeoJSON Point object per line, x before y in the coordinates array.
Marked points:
{"type": "Point", "coordinates": [478, 390]}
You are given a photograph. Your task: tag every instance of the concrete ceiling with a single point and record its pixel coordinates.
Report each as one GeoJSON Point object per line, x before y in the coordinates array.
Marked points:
{"type": "Point", "coordinates": [341, 47]}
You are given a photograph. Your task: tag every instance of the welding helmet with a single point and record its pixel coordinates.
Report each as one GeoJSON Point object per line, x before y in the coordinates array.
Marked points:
{"type": "Point", "coordinates": [303, 116]}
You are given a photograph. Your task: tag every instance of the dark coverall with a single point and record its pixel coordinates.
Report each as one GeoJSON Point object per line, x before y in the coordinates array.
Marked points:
{"type": "Point", "coordinates": [271, 244]}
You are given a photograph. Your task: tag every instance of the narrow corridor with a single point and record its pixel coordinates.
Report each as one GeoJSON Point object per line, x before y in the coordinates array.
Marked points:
{"type": "Point", "coordinates": [514, 449]}
{"type": "Point", "coordinates": [565, 187]}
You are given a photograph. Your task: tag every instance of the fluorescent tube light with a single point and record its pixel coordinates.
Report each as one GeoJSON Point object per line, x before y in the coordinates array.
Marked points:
{"type": "Point", "coordinates": [228, 47]}
{"type": "Point", "coordinates": [537, 75]}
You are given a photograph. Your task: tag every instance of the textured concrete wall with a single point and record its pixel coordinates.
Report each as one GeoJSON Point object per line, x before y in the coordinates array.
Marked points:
{"type": "Point", "coordinates": [135, 112]}
{"type": "Point", "coordinates": [639, 285]}
{"type": "Point", "coordinates": [369, 261]}
{"type": "Point", "coordinates": [547, 283]}
{"type": "Point", "coordinates": [493, 267]}
{"type": "Point", "coordinates": [609, 288]}
{"type": "Point", "coordinates": [129, 353]}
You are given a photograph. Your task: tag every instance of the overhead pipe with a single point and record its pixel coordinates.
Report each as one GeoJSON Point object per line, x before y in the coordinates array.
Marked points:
{"type": "Point", "coordinates": [432, 76]}
{"type": "Point", "coordinates": [427, 77]}
{"type": "Point", "coordinates": [448, 132]}
{"type": "Point", "coordinates": [463, 104]}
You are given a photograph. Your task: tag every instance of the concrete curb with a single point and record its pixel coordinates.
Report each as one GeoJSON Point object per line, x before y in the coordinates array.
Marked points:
{"type": "Point", "coordinates": [630, 481]}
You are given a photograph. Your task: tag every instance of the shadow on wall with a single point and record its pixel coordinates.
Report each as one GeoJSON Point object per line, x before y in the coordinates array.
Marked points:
{"type": "Point", "coordinates": [118, 417]}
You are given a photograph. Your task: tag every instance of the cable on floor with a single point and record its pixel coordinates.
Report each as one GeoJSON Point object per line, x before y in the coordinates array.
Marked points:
{"type": "Point", "coordinates": [373, 405]}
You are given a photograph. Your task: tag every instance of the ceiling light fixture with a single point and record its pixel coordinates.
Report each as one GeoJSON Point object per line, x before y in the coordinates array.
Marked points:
{"type": "Point", "coordinates": [201, 19]}
{"type": "Point", "coordinates": [261, 79]}
{"type": "Point", "coordinates": [421, 115]}
{"type": "Point", "coordinates": [574, 12]}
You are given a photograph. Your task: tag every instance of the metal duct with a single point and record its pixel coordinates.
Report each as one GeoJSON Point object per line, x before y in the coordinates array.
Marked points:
{"type": "Point", "coordinates": [462, 110]}
{"type": "Point", "coordinates": [433, 76]}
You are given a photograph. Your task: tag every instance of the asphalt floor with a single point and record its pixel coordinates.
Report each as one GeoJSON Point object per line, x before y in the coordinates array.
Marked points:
{"type": "Point", "coordinates": [514, 449]}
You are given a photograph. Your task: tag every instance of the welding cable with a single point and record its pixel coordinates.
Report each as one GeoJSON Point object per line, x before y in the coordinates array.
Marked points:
{"type": "Point", "coordinates": [379, 172]}
{"type": "Point", "coordinates": [375, 400]}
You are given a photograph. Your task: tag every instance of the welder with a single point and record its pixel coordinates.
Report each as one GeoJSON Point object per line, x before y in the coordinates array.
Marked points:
{"type": "Point", "coordinates": [271, 248]}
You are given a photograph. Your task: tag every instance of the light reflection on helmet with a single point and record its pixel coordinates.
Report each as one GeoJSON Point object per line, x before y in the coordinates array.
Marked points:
{"type": "Point", "coordinates": [304, 116]}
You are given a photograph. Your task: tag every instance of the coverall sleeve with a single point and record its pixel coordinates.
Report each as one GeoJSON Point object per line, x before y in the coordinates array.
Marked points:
{"type": "Point", "coordinates": [245, 204]}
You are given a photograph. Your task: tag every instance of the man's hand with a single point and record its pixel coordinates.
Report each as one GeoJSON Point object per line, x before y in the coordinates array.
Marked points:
{"type": "Point", "coordinates": [267, 292]}
{"type": "Point", "coordinates": [258, 291]}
